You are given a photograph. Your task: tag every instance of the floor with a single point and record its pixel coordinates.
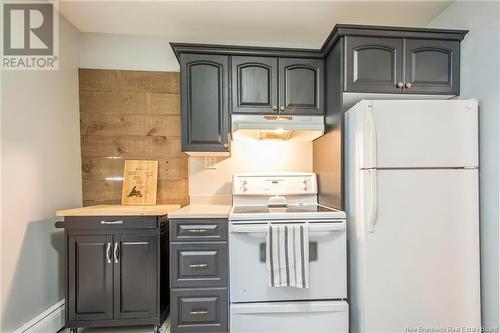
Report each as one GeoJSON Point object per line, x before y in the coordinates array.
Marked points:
{"type": "Point", "coordinates": [132, 329]}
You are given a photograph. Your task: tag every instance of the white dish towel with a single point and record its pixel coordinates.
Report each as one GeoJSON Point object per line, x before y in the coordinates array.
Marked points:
{"type": "Point", "coordinates": [287, 256]}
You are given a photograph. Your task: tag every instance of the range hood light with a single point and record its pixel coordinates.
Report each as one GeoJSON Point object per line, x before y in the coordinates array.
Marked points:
{"type": "Point", "coordinates": [279, 127]}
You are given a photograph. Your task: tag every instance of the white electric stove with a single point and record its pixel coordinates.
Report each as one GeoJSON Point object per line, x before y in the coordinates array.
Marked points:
{"type": "Point", "coordinates": [261, 199]}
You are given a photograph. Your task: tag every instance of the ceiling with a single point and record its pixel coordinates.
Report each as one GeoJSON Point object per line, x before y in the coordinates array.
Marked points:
{"type": "Point", "coordinates": [278, 23]}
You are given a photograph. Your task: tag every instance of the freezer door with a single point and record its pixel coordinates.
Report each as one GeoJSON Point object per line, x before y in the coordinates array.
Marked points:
{"type": "Point", "coordinates": [410, 134]}
{"type": "Point", "coordinates": [416, 251]}
{"type": "Point", "coordinates": [290, 317]}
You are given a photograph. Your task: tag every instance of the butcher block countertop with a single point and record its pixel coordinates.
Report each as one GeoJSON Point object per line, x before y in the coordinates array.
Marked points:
{"type": "Point", "coordinates": [201, 211]}
{"type": "Point", "coordinates": [119, 210]}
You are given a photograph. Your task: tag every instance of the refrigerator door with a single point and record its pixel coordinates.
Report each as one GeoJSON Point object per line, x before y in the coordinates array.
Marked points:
{"type": "Point", "coordinates": [416, 134]}
{"type": "Point", "coordinates": [419, 267]}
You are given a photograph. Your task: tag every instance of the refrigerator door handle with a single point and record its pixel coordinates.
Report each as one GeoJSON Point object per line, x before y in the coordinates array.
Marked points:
{"type": "Point", "coordinates": [373, 190]}
{"type": "Point", "coordinates": [373, 137]}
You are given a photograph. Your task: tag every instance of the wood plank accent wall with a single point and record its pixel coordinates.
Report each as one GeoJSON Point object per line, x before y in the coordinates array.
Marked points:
{"type": "Point", "coordinates": [130, 115]}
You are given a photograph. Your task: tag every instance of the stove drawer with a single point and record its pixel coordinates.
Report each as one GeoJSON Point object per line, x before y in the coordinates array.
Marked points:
{"type": "Point", "coordinates": [290, 317]}
{"type": "Point", "coordinates": [182, 230]}
{"type": "Point", "coordinates": [199, 310]}
{"type": "Point", "coordinates": [198, 264]}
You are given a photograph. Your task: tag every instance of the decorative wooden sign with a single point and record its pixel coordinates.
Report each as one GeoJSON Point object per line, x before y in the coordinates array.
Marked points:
{"type": "Point", "coordinates": [140, 183]}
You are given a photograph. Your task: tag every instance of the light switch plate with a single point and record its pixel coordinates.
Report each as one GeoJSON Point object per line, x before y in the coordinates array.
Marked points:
{"type": "Point", "coordinates": [210, 162]}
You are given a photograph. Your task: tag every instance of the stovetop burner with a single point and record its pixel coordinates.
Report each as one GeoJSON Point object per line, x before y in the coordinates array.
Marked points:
{"type": "Point", "coordinates": [281, 210]}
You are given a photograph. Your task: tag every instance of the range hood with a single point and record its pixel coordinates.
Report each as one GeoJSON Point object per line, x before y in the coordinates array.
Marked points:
{"type": "Point", "coordinates": [279, 127]}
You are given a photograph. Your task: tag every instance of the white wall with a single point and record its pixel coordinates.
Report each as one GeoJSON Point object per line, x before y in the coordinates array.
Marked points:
{"type": "Point", "coordinates": [480, 77]}
{"type": "Point", "coordinates": [40, 143]}
{"type": "Point", "coordinates": [113, 51]}
{"type": "Point", "coordinates": [214, 185]}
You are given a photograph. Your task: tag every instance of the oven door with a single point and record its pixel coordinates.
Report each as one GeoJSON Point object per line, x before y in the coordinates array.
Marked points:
{"type": "Point", "coordinates": [327, 268]}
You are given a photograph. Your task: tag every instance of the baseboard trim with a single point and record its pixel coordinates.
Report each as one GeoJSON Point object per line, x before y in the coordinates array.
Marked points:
{"type": "Point", "coordinates": [51, 320]}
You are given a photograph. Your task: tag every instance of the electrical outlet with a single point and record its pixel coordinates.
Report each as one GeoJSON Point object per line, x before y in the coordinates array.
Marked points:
{"type": "Point", "coordinates": [210, 162]}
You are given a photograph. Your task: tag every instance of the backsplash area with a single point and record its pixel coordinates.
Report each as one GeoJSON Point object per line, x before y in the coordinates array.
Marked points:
{"type": "Point", "coordinates": [135, 115]}
{"type": "Point", "coordinates": [130, 115]}
{"type": "Point", "coordinates": [247, 155]}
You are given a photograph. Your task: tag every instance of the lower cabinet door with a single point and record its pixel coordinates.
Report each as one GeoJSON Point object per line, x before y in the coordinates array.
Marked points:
{"type": "Point", "coordinates": [90, 278]}
{"type": "Point", "coordinates": [199, 310]}
{"type": "Point", "coordinates": [135, 262]}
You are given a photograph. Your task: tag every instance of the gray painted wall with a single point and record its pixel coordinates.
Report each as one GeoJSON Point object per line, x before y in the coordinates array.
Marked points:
{"type": "Point", "coordinates": [40, 143]}
{"type": "Point", "coordinates": [480, 77]}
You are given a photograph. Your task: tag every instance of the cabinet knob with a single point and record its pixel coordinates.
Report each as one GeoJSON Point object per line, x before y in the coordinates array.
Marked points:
{"type": "Point", "coordinates": [226, 146]}
{"type": "Point", "coordinates": [408, 85]}
{"type": "Point", "coordinates": [400, 84]}
{"type": "Point", "coordinates": [275, 108]}
{"type": "Point", "coordinates": [282, 108]}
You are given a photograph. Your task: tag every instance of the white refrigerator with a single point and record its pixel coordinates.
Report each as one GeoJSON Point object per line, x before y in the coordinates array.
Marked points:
{"type": "Point", "coordinates": [412, 208]}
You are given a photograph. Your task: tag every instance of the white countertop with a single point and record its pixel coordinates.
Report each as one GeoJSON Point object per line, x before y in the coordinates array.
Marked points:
{"type": "Point", "coordinates": [201, 211]}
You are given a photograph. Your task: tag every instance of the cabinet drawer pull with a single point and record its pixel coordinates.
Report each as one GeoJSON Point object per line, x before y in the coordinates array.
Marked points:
{"type": "Point", "coordinates": [198, 312]}
{"type": "Point", "coordinates": [108, 253]}
{"type": "Point", "coordinates": [115, 253]}
{"type": "Point", "coordinates": [197, 230]}
{"type": "Point", "coordinates": [111, 222]}
{"type": "Point", "coordinates": [198, 266]}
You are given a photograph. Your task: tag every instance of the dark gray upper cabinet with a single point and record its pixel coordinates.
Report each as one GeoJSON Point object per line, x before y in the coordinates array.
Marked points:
{"type": "Point", "coordinates": [301, 86]}
{"type": "Point", "coordinates": [90, 278]}
{"type": "Point", "coordinates": [374, 64]}
{"type": "Point", "coordinates": [254, 84]}
{"type": "Point", "coordinates": [204, 103]}
{"type": "Point", "coordinates": [277, 85]}
{"type": "Point", "coordinates": [432, 67]}
{"type": "Point", "coordinates": [135, 276]}
{"type": "Point", "coordinates": [397, 65]}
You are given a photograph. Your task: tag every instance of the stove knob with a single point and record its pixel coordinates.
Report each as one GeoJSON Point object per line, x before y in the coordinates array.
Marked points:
{"type": "Point", "coordinates": [305, 187]}
{"type": "Point", "coordinates": [244, 186]}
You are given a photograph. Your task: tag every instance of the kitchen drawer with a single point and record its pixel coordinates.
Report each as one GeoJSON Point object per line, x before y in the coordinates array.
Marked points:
{"type": "Point", "coordinates": [198, 264]}
{"type": "Point", "coordinates": [111, 222]}
{"type": "Point", "coordinates": [198, 230]}
{"type": "Point", "coordinates": [199, 310]}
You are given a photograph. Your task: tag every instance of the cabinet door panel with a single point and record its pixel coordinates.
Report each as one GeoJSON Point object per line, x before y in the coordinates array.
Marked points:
{"type": "Point", "coordinates": [432, 66]}
{"type": "Point", "coordinates": [135, 276]}
{"type": "Point", "coordinates": [90, 278]}
{"type": "Point", "coordinates": [204, 102]}
{"type": "Point", "coordinates": [373, 64]}
{"type": "Point", "coordinates": [255, 84]}
{"type": "Point", "coordinates": [301, 85]}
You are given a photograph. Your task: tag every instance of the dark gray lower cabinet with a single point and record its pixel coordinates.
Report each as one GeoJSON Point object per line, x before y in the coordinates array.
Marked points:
{"type": "Point", "coordinates": [90, 278]}
{"type": "Point", "coordinates": [199, 275]}
{"type": "Point", "coordinates": [199, 310]}
{"type": "Point", "coordinates": [114, 272]}
{"type": "Point", "coordinates": [135, 276]}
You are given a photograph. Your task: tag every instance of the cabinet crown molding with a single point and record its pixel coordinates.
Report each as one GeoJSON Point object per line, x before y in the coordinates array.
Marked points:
{"type": "Point", "coordinates": [338, 31]}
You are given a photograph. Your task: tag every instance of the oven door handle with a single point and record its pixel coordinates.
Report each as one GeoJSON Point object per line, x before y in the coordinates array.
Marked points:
{"type": "Point", "coordinates": [263, 228]}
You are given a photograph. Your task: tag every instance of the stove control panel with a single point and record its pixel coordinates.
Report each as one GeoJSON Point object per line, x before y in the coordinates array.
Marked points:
{"type": "Point", "coordinates": [290, 183]}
